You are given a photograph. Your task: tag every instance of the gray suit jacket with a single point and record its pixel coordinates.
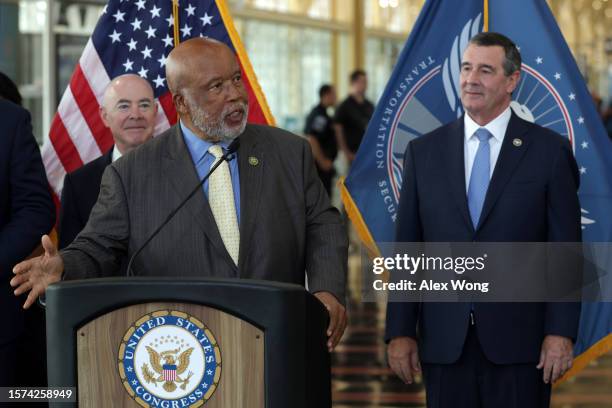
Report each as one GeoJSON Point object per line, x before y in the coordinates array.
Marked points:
{"type": "Point", "coordinates": [287, 225]}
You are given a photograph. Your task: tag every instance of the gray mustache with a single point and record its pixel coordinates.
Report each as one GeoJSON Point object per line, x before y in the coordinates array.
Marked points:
{"type": "Point", "coordinates": [242, 107]}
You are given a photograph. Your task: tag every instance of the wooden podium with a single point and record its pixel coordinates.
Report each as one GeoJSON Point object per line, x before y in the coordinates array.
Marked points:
{"type": "Point", "coordinates": [167, 342]}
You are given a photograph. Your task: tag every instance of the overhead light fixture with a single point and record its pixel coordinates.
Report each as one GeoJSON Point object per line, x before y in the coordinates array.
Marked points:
{"type": "Point", "coordinates": [388, 3]}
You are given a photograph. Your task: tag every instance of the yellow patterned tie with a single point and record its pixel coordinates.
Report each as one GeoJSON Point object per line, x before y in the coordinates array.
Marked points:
{"type": "Point", "coordinates": [221, 199]}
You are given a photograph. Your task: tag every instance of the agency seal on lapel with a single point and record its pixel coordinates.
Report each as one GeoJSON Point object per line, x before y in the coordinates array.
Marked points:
{"type": "Point", "coordinates": [168, 356]}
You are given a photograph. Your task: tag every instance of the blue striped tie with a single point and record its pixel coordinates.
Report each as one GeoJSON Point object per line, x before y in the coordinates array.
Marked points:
{"type": "Point", "coordinates": [479, 179]}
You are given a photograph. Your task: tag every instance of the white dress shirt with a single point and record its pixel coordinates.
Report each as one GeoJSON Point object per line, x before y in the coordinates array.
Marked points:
{"type": "Point", "coordinates": [117, 154]}
{"type": "Point", "coordinates": [497, 127]}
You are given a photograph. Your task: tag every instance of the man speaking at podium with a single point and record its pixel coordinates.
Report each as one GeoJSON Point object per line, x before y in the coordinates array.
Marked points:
{"type": "Point", "coordinates": [264, 214]}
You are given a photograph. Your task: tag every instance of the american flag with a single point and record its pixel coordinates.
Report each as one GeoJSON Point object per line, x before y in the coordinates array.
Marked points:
{"type": "Point", "coordinates": [134, 37]}
{"type": "Point", "coordinates": [169, 372]}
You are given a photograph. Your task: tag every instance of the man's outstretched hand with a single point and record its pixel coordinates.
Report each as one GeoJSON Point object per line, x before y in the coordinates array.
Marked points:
{"type": "Point", "coordinates": [36, 274]}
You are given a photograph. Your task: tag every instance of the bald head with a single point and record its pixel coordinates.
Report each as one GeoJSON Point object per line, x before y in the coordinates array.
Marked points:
{"type": "Point", "coordinates": [128, 110]}
{"type": "Point", "coordinates": [126, 81]}
{"type": "Point", "coordinates": [192, 56]}
{"type": "Point", "coordinates": [207, 89]}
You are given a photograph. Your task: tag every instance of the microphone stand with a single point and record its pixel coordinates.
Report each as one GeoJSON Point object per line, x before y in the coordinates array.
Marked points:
{"type": "Point", "coordinates": [229, 155]}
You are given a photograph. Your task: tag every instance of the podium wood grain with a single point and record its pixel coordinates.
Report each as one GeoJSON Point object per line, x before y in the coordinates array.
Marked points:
{"type": "Point", "coordinates": [242, 357]}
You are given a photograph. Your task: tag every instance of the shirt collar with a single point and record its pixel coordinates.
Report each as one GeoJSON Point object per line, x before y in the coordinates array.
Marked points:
{"type": "Point", "coordinates": [497, 127]}
{"type": "Point", "coordinates": [198, 147]}
{"type": "Point", "coordinates": [116, 155]}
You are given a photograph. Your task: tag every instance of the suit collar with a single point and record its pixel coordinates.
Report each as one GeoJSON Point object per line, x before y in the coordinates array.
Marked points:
{"type": "Point", "coordinates": [107, 158]}
{"type": "Point", "coordinates": [198, 147]}
{"type": "Point", "coordinates": [115, 154]}
{"type": "Point", "coordinates": [456, 169]}
{"type": "Point", "coordinates": [251, 165]}
{"type": "Point", "coordinates": [515, 144]}
{"type": "Point", "coordinates": [497, 127]}
{"type": "Point", "coordinates": [180, 170]}
{"type": "Point", "coordinates": [509, 158]}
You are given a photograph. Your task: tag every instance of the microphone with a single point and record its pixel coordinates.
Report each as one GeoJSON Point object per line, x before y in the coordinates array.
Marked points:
{"type": "Point", "coordinates": [227, 156]}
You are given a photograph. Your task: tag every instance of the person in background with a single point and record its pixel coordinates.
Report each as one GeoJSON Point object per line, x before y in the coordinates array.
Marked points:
{"type": "Point", "coordinates": [320, 132]}
{"type": "Point", "coordinates": [26, 212]}
{"type": "Point", "coordinates": [128, 110]}
{"type": "Point", "coordinates": [352, 116]}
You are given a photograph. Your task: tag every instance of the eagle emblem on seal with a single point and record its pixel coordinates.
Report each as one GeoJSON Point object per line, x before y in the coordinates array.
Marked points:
{"type": "Point", "coordinates": [168, 373]}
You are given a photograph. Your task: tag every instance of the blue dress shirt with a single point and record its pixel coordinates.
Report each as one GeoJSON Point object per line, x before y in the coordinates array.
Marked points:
{"type": "Point", "coordinates": [202, 159]}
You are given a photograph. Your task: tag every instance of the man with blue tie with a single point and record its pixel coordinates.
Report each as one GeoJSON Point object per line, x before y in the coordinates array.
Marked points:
{"type": "Point", "coordinates": [490, 176]}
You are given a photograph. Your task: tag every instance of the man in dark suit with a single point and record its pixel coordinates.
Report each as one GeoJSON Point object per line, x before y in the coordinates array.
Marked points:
{"type": "Point", "coordinates": [491, 177]}
{"type": "Point", "coordinates": [128, 110]}
{"type": "Point", "coordinates": [265, 215]}
{"type": "Point", "coordinates": [26, 212]}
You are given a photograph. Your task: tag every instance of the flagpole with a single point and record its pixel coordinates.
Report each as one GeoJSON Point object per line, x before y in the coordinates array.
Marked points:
{"type": "Point", "coordinates": [485, 27]}
{"type": "Point", "coordinates": [244, 60]}
{"type": "Point", "coordinates": [175, 14]}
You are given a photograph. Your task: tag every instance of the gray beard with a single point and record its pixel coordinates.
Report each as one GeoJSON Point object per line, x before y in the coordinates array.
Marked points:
{"type": "Point", "coordinates": [217, 128]}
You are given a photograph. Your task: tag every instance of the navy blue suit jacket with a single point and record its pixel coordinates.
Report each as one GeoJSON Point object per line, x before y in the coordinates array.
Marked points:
{"type": "Point", "coordinates": [26, 208]}
{"type": "Point", "coordinates": [532, 197]}
{"type": "Point", "coordinates": [79, 194]}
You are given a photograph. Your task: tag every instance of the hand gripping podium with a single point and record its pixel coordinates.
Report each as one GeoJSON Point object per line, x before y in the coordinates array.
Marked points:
{"type": "Point", "coordinates": [175, 343]}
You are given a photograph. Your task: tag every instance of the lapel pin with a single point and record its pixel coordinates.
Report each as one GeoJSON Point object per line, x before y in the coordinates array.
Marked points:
{"type": "Point", "coordinates": [253, 161]}
{"type": "Point", "coordinates": [517, 142]}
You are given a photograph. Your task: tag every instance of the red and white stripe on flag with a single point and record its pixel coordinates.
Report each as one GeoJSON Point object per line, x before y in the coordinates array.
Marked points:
{"type": "Point", "coordinates": [77, 134]}
{"type": "Point", "coordinates": [169, 375]}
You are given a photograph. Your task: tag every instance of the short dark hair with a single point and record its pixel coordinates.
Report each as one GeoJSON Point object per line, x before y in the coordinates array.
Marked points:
{"type": "Point", "coordinates": [512, 60]}
{"type": "Point", "coordinates": [9, 90]}
{"type": "Point", "coordinates": [325, 89]}
{"type": "Point", "coordinates": [356, 74]}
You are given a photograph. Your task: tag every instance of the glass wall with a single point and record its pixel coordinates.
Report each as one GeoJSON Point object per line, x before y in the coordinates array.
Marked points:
{"type": "Point", "coordinates": [72, 27]}
{"type": "Point", "coordinates": [40, 43]}
{"type": "Point", "coordinates": [328, 10]}
{"type": "Point", "coordinates": [21, 41]}
{"type": "Point", "coordinates": [391, 15]}
{"type": "Point", "coordinates": [295, 46]}
{"type": "Point", "coordinates": [381, 55]}
{"type": "Point", "coordinates": [587, 27]}
{"type": "Point", "coordinates": [289, 71]}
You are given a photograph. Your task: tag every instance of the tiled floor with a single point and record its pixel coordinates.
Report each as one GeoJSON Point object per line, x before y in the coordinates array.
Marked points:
{"type": "Point", "coordinates": [361, 377]}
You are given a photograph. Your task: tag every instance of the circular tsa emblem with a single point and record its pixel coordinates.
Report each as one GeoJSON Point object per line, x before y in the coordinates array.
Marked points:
{"type": "Point", "coordinates": [169, 358]}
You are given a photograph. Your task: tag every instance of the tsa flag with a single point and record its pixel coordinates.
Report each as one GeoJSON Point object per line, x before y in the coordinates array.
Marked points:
{"type": "Point", "coordinates": [552, 93]}
{"type": "Point", "coordinates": [423, 93]}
